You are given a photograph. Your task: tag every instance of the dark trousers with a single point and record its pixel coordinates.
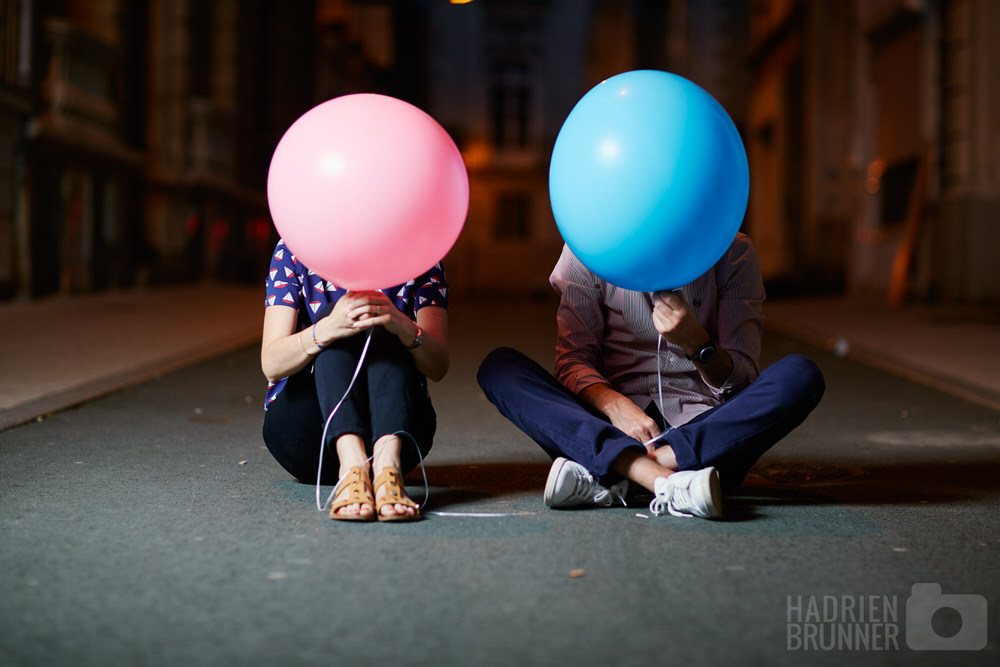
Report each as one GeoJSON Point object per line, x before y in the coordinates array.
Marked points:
{"type": "Point", "coordinates": [389, 396]}
{"type": "Point", "coordinates": [730, 437]}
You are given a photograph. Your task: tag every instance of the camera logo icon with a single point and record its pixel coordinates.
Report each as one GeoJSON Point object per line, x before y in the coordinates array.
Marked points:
{"type": "Point", "coordinates": [927, 602]}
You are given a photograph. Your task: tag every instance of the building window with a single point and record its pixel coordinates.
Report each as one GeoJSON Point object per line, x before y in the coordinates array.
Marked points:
{"type": "Point", "coordinates": [510, 102]}
{"type": "Point", "coordinates": [513, 216]}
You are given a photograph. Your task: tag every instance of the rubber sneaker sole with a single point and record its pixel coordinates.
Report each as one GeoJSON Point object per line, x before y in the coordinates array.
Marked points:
{"type": "Point", "coordinates": [552, 480]}
{"type": "Point", "coordinates": [712, 489]}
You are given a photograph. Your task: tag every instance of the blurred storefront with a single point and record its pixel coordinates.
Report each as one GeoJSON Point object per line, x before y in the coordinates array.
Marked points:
{"type": "Point", "coordinates": [135, 136]}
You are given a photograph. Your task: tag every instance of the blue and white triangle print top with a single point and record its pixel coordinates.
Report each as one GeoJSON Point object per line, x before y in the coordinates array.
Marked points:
{"type": "Point", "coordinates": [290, 283]}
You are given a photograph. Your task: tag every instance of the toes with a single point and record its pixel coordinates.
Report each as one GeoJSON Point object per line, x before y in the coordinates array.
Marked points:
{"type": "Point", "coordinates": [396, 509]}
{"type": "Point", "coordinates": [350, 509]}
{"type": "Point", "coordinates": [356, 508]}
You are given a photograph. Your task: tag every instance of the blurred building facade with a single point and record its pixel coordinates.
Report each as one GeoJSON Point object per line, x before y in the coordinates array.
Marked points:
{"type": "Point", "coordinates": [139, 136]}
{"type": "Point", "coordinates": [873, 132]}
{"type": "Point", "coordinates": [504, 76]}
{"type": "Point", "coordinates": [135, 135]}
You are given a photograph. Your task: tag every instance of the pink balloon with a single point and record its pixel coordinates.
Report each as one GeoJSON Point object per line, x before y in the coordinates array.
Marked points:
{"type": "Point", "coordinates": [368, 191]}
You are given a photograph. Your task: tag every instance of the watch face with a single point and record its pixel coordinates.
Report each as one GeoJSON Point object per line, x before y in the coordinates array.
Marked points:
{"type": "Point", "coordinates": [704, 353]}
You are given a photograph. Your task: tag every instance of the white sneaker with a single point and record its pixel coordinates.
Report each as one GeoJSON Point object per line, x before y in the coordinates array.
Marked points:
{"type": "Point", "coordinates": [570, 484]}
{"type": "Point", "coordinates": [688, 493]}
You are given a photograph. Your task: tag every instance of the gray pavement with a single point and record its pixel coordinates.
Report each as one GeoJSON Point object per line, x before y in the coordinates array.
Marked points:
{"type": "Point", "coordinates": [60, 351]}
{"type": "Point", "coordinates": [952, 348]}
{"type": "Point", "coordinates": [149, 525]}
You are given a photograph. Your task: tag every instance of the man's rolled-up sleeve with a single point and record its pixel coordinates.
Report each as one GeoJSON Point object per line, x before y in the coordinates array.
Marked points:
{"type": "Point", "coordinates": [580, 321]}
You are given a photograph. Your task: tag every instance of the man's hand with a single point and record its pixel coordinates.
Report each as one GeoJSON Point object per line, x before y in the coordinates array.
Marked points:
{"type": "Point", "coordinates": [677, 323]}
{"type": "Point", "coordinates": [625, 415]}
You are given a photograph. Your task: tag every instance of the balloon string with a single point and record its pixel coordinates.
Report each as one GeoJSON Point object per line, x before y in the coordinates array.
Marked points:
{"type": "Point", "coordinates": [659, 387]}
{"type": "Point", "coordinates": [423, 470]}
{"type": "Point", "coordinates": [659, 372]}
{"type": "Point", "coordinates": [322, 443]}
{"type": "Point", "coordinates": [321, 505]}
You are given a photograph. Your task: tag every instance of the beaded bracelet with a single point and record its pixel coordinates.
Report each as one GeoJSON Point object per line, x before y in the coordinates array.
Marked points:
{"type": "Point", "coordinates": [316, 342]}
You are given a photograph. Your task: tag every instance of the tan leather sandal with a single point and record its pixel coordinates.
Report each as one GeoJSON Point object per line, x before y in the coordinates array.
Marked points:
{"type": "Point", "coordinates": [359, 491]}
{"type": "Point", "coordinates": [394, 495]}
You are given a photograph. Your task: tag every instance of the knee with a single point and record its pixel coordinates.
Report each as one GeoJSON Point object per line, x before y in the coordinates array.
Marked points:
{"type": "Point", "coordinates": [496, 364]}
{"type": "Point", "coordinates": [804, 376]}
{"type": "Point", "coordinates": [386, 345]}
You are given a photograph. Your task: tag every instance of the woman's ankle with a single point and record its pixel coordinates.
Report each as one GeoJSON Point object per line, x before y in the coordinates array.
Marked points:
{"type": "Point", "coordinates": [387, 453]}
{"type": "Point", "coordinates": [350, 451]}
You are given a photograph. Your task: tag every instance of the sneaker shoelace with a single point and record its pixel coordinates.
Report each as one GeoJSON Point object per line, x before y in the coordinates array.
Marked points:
{"type": "Point", "coordinates": [677, 496]}
{"type": "Point", "coordinates": [607, 496]}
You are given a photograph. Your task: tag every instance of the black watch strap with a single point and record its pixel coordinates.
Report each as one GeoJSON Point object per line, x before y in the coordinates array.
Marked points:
{"type": "Point", "coordinates": [704, 353]}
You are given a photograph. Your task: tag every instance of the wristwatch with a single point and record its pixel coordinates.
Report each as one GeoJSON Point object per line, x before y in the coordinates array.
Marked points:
{"type": "Point", "coordinates": [418, 339]}
{"type": "Point", "coordinates": [704, 353]}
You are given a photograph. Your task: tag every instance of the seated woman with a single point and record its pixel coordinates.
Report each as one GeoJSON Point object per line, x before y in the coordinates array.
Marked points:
{"type": "Point", "coordinates": [314, 334]}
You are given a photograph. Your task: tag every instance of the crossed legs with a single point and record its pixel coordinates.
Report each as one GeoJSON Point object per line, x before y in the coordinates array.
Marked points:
{"type": "Point", "coordinates": [730, 437]}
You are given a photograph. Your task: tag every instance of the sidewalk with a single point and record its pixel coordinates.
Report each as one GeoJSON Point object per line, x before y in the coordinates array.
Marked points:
{"type": "Point", "coordinates": [954, 349]}
{"type": "Point", "coordinates": [61, 351]}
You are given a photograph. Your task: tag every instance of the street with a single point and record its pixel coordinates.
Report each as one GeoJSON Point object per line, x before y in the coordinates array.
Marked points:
{"type": "Point", "coordinates": [151, 527]}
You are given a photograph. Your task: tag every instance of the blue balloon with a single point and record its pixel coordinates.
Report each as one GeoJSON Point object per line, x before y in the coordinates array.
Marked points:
{"type": "Point", "coordinates": [649, 180]}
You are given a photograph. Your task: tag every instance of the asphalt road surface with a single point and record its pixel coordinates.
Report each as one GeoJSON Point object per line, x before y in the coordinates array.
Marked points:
{"type": "Point", "coordinates": [151, 527]}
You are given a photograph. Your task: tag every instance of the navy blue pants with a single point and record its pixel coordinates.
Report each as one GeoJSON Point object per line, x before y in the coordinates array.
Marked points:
{"type": "Point", "coordinates": [389, 396]}
{"type": "Point", "coordinates": [730, 436]}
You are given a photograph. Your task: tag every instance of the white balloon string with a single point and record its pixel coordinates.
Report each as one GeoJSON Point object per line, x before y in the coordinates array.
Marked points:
{"type": "Point", "coordinates": [659, 374]}
{"type": "Point", "coordinates": [423, 470]}
{"type": "Point", "coordinates": [320, 505]}
{"type": "Point", "coordinates": [659, 387]}
{"type": "Point", "coordinates": [322, 444]}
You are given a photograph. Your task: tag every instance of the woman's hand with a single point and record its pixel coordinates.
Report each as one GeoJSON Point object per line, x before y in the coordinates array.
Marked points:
{"type": "Point", "coordinates": [359, 311]}
{"type": "Point", "coordinates": [339, 323]}
{"type": "Point", "coordinates": [355, 312]}
{"type": "Point", "coordinates": [372, 309]}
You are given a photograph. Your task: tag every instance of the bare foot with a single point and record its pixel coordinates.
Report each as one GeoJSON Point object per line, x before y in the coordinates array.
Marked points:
{"type": "Point", "coordinates": [390, 480]}
{"type": "Point", "coordinates": [393, 510]}
{"type": "Point", "coordinates": [362, 510]}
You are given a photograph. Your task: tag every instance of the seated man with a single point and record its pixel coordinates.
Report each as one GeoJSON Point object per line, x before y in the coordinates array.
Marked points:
{"type": "Point", "coordinates": [663, 390]}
